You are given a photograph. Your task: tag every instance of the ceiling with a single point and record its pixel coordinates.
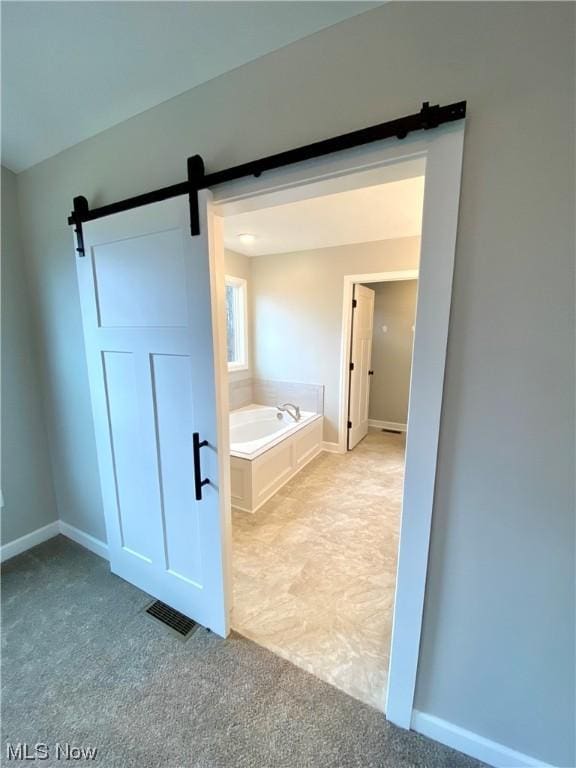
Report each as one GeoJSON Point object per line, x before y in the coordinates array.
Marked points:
{"type": "Point", "coordinates": [358, 216]}
{"type": "Point", "coordinates": [73, 69]}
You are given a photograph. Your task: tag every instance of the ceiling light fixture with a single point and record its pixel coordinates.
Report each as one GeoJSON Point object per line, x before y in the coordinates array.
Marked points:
{"type": "Point", "coordinates": [247, 239]}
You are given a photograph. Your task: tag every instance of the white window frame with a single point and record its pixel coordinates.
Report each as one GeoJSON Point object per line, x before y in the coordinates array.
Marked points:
{"type": "Point", "coordinates": [241, 364]}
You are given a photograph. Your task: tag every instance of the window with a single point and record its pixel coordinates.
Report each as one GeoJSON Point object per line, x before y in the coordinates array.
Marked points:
{"type": "Point", "coordinates": [236, 323]}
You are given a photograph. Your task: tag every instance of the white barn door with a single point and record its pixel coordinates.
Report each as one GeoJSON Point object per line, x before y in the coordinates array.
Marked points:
{"type": "Point", "coordinates": [360, 356]}
{"type": "Point", "coordinates": [146, 301]}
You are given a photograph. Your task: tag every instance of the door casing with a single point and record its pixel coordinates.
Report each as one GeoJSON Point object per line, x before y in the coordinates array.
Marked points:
{"type": "Point", "coordinates": [438, 155]}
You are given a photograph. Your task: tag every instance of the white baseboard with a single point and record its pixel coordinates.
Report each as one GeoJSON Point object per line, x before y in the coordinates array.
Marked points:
{"type": "Point", "coordinates": [490, 752]}
{"type": "Point", "coordinates": [85, 540]}
{"type": "Point", "coordinates": [28, 541]}
{"type": "Point", "coordinates": [40, 535]}
{"type": "Point", "coordinates": [332, 447]}
{"type": "Point", "coordinates": [397, 426]}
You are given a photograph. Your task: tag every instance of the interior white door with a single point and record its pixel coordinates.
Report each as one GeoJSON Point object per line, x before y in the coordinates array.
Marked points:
{"type": "Point", "coordinates": [147, 308]}
{"type": "Point", "coordinates": [360, 356]}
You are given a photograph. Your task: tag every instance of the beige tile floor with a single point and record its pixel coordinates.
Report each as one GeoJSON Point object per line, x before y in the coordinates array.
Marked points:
{"type": "Point", "coordinates": [314, 569]}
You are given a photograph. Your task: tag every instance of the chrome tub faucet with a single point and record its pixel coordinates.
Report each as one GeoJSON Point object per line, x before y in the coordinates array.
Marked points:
{"type": "Point", "coordinates": [289, 408]}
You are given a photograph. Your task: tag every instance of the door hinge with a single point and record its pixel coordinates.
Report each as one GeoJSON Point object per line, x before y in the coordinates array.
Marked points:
{"type": "Point", "coordinates": [354, 303]}
{"type": "Point", "coordinates": [351, 366]}
{"type": "Point", "coordinates": [349, 425]}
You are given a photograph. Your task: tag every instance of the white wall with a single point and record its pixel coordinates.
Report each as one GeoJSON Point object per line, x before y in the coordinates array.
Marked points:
{"type": "Point", "coordinates": [497, 651]}
{"type": "Point", "coordinates": [297, 312]}
{"type": "Point", "coordinates": [395, 310]}
{"type": "Point", "coordinates": [29, 501]}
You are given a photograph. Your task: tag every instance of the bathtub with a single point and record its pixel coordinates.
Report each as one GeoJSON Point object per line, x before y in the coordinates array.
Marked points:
{"type": "Point", "coordinates": [266, 452]}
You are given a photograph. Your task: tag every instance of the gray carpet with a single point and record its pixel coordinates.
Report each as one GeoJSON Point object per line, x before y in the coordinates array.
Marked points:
{"type": "Point", "coordinates": [82, 664]}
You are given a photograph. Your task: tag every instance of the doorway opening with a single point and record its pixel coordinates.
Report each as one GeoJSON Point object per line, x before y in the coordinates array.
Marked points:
{"type": "Point", "coordinates": [315, 524]}
{"type": "Point", "coordinates": [378, 325]}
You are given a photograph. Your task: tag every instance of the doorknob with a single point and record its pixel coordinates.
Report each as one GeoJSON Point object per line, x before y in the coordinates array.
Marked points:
{"type": "Point", "coordinates": [370, 373]}
{"type": "Point", "coordinates": [198, 483]}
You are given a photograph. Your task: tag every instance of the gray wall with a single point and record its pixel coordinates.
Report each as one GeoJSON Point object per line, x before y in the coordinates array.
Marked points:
{"type": "Point", "coordinates": [394, 309]}
{"type": "Point", "coordinates": [29, 501]}
{"type": "Point", "coordinates": [497, 652]}
{"type": "Point", "coordinates": [297, 312]}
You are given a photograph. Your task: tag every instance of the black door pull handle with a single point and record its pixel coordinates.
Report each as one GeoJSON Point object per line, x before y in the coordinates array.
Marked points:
{"type": "Point", "coordinates": [370, 373]}
{"type": "Point", "coordinates": [198, 482]}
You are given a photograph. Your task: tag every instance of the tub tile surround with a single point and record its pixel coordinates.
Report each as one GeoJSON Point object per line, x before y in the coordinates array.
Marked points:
{"type": "Point", "coordinates": [240, 393]}
{"type": "Point", "coordinates": [310, 397]}
{"type": "Point", "coordinates": [243, 392]}
{"type": "Point", "coordinates": [314, 569]}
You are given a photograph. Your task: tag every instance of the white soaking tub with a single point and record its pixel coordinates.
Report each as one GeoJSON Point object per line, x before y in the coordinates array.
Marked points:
{"type": "Point", "coordinates": [265, 451]}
